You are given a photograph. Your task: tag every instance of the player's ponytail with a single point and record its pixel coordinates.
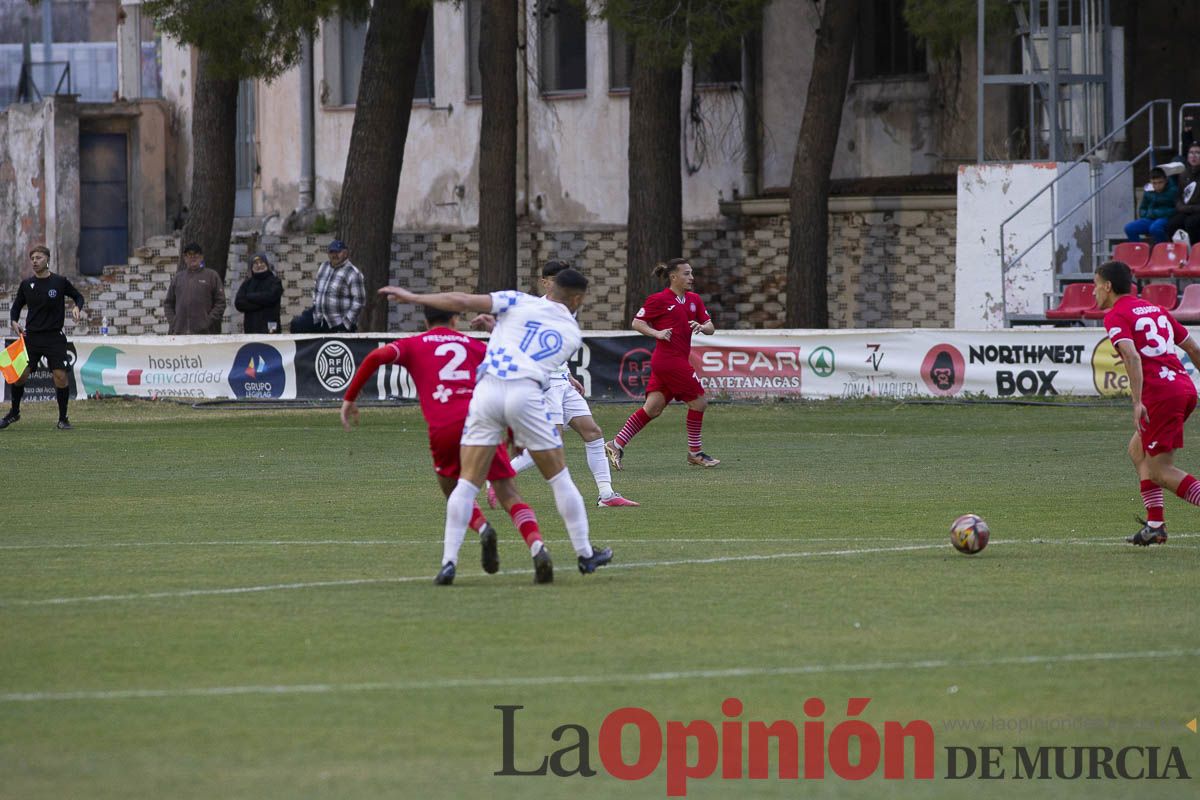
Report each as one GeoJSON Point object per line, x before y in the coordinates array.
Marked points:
{"type": "Point", "coordinates": [664, 269]}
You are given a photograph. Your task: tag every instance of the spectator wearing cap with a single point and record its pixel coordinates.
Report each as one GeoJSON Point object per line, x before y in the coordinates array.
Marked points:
{"type": "Point", "coordinates": [258, 297]}
{"type": "Point", "coordinates": [338, 296]}
{"type": "Point", "coordinates": [195, 302]}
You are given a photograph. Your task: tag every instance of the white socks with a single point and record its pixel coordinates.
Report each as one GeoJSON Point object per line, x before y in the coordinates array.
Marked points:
{"type": "Point", "coordinates": [570, 506]}
{"type": "Point", "coordinates": [459, 506]}
{"type": "Point", "coordinates": [597, 461]}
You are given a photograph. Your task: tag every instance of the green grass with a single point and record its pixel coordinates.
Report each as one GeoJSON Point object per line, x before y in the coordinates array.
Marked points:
{"type": "Point", "coordinates": [163, 500]}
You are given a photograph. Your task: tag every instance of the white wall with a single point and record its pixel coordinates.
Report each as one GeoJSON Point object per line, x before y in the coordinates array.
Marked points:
{"type": "Point", "coordinates": [987, 194]}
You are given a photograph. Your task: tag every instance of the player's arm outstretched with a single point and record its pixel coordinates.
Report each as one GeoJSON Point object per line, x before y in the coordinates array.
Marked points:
{"type": "Point", "coordinates": [1133, 368]}
{"type": "Point", "coordinates": [447, 301]}
{"type": "Point", "coordinates": [388, 354]}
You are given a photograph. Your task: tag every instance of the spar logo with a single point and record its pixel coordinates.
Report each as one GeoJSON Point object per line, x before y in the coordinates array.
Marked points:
{"type": "Point", "coordinates": [635, 372]}
{"type": "Point", "coordinates": [943, 370]}
{"type": "Point", "coordinates": [749, 370]}
{"type": "Point", "coordinates": [334, 366]}
{"type": "Point", "coordinates": [257, 372]}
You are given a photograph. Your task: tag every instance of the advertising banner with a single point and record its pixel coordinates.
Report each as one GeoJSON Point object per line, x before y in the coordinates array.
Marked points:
{"type": "Point", "coordinates": [616, 366]}
{"type": "Point", "coordinates": [186, 366]}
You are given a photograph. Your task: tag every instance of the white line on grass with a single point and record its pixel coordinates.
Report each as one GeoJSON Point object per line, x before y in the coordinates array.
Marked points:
{"type": "Point", "coordinates": [102, 598]}
{"type": "Point", "coordinates": [399, 542]}
{"type": "Point", "coordinates": [274, 587]}
{"type": "Point", "coordinates": [607, 679]}
{"type": "Point", "coordinates": [360, 542]}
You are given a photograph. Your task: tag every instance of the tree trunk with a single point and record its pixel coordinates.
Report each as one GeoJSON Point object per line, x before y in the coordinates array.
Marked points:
{"type": "Point", "coordinates": [214, 183]}
{"type": "Point", "coordinates": [655, 180]}
{"type": "Point", "coordinates": [498, 146]}
{"type": "Point", "coordinates": [808, 249]}
{"type": "Point", "coordinates": [372, 179]}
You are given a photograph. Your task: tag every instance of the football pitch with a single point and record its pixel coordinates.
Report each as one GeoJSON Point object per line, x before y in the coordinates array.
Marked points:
{"type": "Point", "coordinates": [230, 603]}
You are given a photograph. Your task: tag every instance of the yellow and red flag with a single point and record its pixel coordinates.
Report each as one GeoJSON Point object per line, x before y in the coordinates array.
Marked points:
{"type": "Point", "coordinates": [13, 361]}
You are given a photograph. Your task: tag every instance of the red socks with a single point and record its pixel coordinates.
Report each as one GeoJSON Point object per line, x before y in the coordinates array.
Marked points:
{"type": "Point", "coordinates": [695, 419]}
{"type": "Point", "coordinates": [1189, 489]}
{"type": "Point", "coordinates": [478, 520]}
{"type": "Point", "coordinates": [526, 522]}
{"type": "Point", "coordinates": [637, 420]}
{"type": "Point", "coordinates": [1152, 498]}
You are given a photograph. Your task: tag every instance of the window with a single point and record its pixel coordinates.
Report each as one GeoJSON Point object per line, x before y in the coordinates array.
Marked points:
{"type": "Point", "coordinates": [474, 10]}
{"type": "Point", "coordinates": [886, 48]}
{"type": "Point", "coordinates": [424, 88]}
{"type": "Point", "coordinates": [343, 61]}
{"type": "Point", "coordinates": [562, 36]}
{"type": "Point", "coordinates": [352, 41]}
{"type": "Point", "coordinates": [620, 60]}
{"type": "Point", "coordinates": [722, 67]}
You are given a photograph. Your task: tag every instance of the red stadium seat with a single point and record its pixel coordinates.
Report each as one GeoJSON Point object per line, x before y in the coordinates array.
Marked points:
{"type": "Point", "coordinates": [1165, 258]}
{"type": "Point", "coordinates": [1077, 298]}
{"type": "Point", "coordinates": [1192, 268]}
{"type": "Point", "coordinates": [1162, 295]}
{"type": "Point", "coordinates": [1189, 305]}
{"type": "Point", "coordinates": [1135, 254]}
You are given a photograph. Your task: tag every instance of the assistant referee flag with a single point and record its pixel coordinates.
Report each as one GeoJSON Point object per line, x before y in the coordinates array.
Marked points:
{"type": "Point", "coordinates": [13, 361]}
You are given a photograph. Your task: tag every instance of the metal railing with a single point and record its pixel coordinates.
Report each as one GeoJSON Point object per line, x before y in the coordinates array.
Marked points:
{"type": "Point", "coordinates": [1093, 158]}
{"type": "Point", "coordinates": [27, 88]}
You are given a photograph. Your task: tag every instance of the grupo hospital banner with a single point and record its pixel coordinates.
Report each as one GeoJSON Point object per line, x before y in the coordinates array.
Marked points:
{"type": "Point", "coordinates": [615, 366]}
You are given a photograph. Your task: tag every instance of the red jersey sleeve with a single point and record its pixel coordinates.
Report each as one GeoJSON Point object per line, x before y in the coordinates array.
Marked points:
{"type": "Point", "coordinates": [392, 353]}
{"type": "Point", "coordinates": [652, 308]}
{"type": "Point", "coordinates": [701, 311]}
{"type": "Point", "coordinates": [1117, 326]}
{"type": "Point", "coordinates": [1181, 332]}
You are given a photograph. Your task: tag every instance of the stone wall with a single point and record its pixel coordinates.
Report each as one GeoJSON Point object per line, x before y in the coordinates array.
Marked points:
{"type": "Point", "coordinates": [887, 269]}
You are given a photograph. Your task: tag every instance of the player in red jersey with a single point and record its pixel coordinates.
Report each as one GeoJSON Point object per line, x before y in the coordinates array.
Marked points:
{"type": "Point", "coordinates": [1146, 336]}
{"type": "Point", "coordinates": [442, 364]}
{"type": "Point", "coordinates": [670, 317]}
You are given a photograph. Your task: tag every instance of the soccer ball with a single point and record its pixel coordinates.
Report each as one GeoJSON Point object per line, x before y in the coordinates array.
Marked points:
{"type": "Point", "coordinates": [969, 534]}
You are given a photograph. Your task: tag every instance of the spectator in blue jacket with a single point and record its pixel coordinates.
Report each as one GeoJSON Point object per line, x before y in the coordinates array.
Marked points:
{"type": "Point", "coordinates": [1156, 210]}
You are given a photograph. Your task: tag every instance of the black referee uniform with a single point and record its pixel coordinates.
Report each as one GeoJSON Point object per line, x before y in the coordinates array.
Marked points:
{"type": "Point", "coordinates": [44, 338]}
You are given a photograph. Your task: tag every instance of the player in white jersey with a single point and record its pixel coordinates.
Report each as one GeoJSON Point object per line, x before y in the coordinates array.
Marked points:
{"type": "Point", "coordinates": [533, 337]}
{"type": "Point", "coordinates": [565, 402]}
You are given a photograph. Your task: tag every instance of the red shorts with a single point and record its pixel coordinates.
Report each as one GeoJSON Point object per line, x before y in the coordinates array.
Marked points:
{"type": "Point", "coordinates": [444, 447]}
{"type": "Point", "coordinates": [1164, 432]}
{"type": "Point", "coordinates": [675, 381]}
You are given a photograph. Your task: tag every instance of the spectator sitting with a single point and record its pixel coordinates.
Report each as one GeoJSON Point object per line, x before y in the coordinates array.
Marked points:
{"type": "Point", "coordinates": [338, 296]}
{"type": "Point", "coordinates": [1187, 205]}
{"type": "Point", "coordinates": [195, 301]}
{"type": "Point", "coordinates": [258, 297]}
{"type": "Point", "coordinates": [1156, 210]}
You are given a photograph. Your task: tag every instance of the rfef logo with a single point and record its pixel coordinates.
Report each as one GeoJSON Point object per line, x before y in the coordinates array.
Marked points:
{"type": "Point", "coordinates": [334, 366]}
{"type": "Point", "coordinates": [257, 372]}
{"type": "Point", "coordinates": [635, 372]}
{"type": "Point", "coordinates": [943, 370]}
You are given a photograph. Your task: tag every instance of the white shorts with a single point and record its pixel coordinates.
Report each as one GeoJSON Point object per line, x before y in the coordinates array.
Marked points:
{"type": "Point", "coordinates": [565, 403]}
{"type": "Point", "coordinates": [498, 405]}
